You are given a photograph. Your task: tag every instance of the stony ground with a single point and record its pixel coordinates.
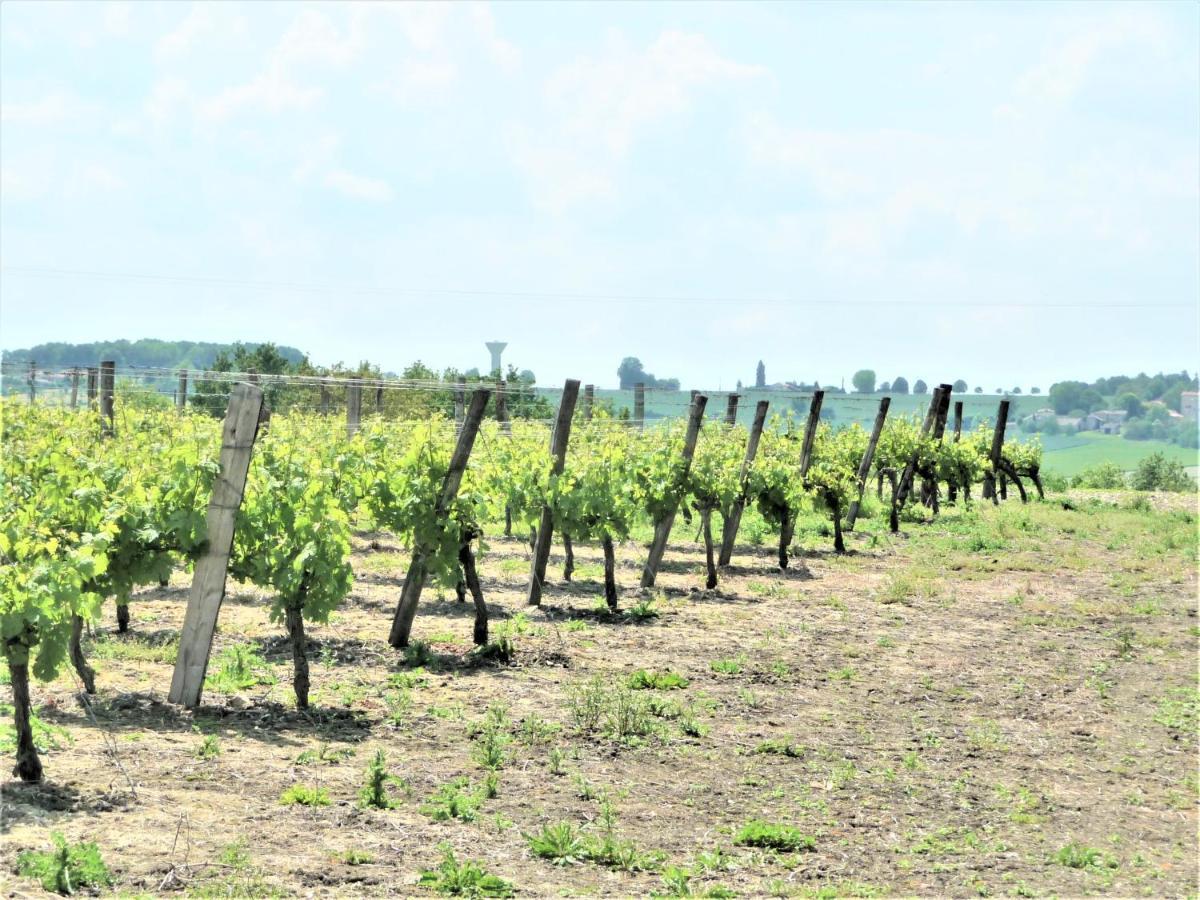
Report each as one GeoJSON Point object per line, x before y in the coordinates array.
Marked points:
{"type": "Point", "coordinates": [1002, 701]}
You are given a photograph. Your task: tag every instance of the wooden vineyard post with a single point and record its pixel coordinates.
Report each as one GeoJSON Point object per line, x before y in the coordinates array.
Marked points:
{"type": "Point", "coordinates": [414, 581]}
{"type": "Point", "coordinates": [460, 397]}
{"type": "Point", "coordinates": [353, 406]}
{"type": "Point", "coordinates": [639, 405]}
{"type": "Point", "coordinates": [864, 467]}
{"type": "Point", "coordinates": [93, 381]}
{"type": "Point", "coordinates": [731, 405]}
{"type": "Point", "coordinates": [324, 399]}
{"type": "Point", "coordinates": [730, 530]}
{"type": "Point", "coordinates": [108, 372]}
{"type": "Point", "coordinates": [589, 399]}
{"type": "Point", "coordinates": [810, 431]}
{"type": "Point", "coordinates": [181, 396]}
{"type": "Point", "coordinates": [208, 582]}
{"type": "Point", "coordinates": [939, 424]}
{"type": "Point", "coordinates": [662, 528]}
{"type": "Point", "coordinates": [989, 480]}
{"type": "Point", "coordinates": [958, 409]}
{"type": "Point", "coordinates": [32, 382]}
{"type": "Point", "coordinates": [502, 406]}
{"type": "Point", "coordinates": [558, 454]}
{"type": "Point", "coordinates": [74, 388]}
{"type": "Point", "coordinates": [379, 400]}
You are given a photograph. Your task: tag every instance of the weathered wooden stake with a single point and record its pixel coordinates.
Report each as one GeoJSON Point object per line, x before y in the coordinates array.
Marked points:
{"type": "Point", "coordinates": [662, 528]}
{"type": "Point", "coordinates": [731, 405]}
{"type": "Point", "coordinates": [731, 524]}
{"type": "Point", "coordinates": [939, 424]}
{"type": "Point", "coordinates": [108, 377]}
{"type": "Point", "coordinates": [93, 382]}
{"type": "Point", "coordinates": [558, 454]}
{"type": "Point", "coordinates": [989, 479]}
{"type": "Point", "coordinates": [379, 400]}
{"type": "Point", "coordinates": [589, 400]}
{"type": "Point", "coordinates": [810, 431]}
{"type": "Point", "coordinates": [324, 399]}
{"type": "Point", "coordinates": [74, 388]}
{"type": "Point", "coordinates": [958, 410]}
{"type": "Point", "coordinates": [208, 581]}
{"type": "Point", "coordinates": [460, 404]}
{"type": "Point", "coordinates": [181, 394]}
{"type": "Point", "coordinates": [414, 581]}
{"type": "Point", "coordinates": [353, 406]}
{"type": "Point", "coordinates": [32, 382]}
{"type": "Point", "coordinates": [639, 405]}
{"type": "Point", "coordinates": [864, 466]}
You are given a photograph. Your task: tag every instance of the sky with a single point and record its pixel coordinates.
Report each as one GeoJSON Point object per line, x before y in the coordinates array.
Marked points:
{"type": "Point", "coordinates": [1006, 193]}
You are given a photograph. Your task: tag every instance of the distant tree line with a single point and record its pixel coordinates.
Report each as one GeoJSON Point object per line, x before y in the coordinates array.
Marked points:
{"type": "Point", "coordinates": [631, 372]}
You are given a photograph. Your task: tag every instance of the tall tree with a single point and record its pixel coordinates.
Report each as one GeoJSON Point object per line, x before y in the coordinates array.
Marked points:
{"type": "Point", "coordinates": [630, 372]}
{"type": "Point", "coordinates": [900, 386]}
{"type": "Point", "coordinates": [960, 387]}
{"type": "Point", "coordinates": [920, 387]}
{"type": "Point", "coordinates": [864, 381]}
{"type": "Point", "coordinates": [760, 375]}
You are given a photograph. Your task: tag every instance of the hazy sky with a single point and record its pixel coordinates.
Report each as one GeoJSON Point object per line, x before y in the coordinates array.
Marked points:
{"type": "Point", "coordinates": [1001, 192]}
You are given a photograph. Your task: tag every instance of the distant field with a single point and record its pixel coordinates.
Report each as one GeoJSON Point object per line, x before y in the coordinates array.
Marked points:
{"type": "Point", "coordinates": [1071, 454]}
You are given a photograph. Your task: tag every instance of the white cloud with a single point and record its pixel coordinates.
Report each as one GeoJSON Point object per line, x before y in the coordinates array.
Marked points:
{"type": "Point", "coordinates": [502, 52]}
{"type": "Point", "coordinates": [48, 110]}
{"type": "Point", "coordinates": [358, 187]}
{"type": "Point", "coordinates": [598, 108]}
{"type": "Point", "coordinates": [204, 22]}
{"type": "Point", "coordinates": [117, 18]}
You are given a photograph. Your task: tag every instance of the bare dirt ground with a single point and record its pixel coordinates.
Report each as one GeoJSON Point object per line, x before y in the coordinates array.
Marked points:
{"type": "Point", "coordinates": [994, 703]}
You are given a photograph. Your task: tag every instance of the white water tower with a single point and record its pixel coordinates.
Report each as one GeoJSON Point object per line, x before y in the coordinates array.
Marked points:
{"type": "Point", "coordinates": [496, 348]}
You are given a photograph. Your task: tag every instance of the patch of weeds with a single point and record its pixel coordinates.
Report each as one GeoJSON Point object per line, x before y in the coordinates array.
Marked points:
{"type": "Point", "coordinates": [375, 793]}
{"type": "Point", "coordinates": [536, 730]}
{"type": "Point", "coordinates": [559, 842]}
{"type": "Point", "coordinates": [585, 790]}
{"type": "Point", "coordinates": [418, 654]}
{"type": "Point", "coordinates": [846, 673]}
{"type": "Point", "coordinates": [577, 625]}
{"type": "Point", "coordinates": [453, 711]}
{"type": "Point", "coordinates": [643, 610]}
{"type": "Point", "coordinates": [728, 666]}
{"type": "Point", "coordinates": [780, 747]}
{"type": "Point", "coordinates": [986, 735]}
{"type": "Point", "coordinates": [66, 868]}
{"type": "Point", "coordinates": [499, 649]}
{"type": "Point", "coordinates": [610, 850]}
{"type": "Point", "coordinates": [238, 668]}
{"type": "Point", "coordinates": [304, 795]}
{"type": "Point", "coordinates": [241, 879]}
{"type": "Point", "coordinates": [1179, 710]}
{"type": "Point", "coordinates": [398, 706]}
{"type": "Point", "coordinates": [408, 680]}
{"type": "Point", "coordinates": [134, 647]}
{"type": "Point", "coordinates": [771, 836]}
{"type": "Point", "coordinates": [353, 857]}
{"type": "Point", "coordinates": [325, 754]}
{"type": "Point", "coordinates": [616, 711]}
{"type": "Point", "coordinates": [554, 761]}
{"type": "Point", "coordinates": [454, 800]}
{"type": "Point", "coordinates": [463, 879]}
{"type": "Point", "coordinates": [489, 750]}
{"type": "Point", "coordinates": [842, 774]}
{"type": "Point", "coordinates": [643, 680]}
{"type": "Point", "coordinates": [210, 747]}
{"type": "Point", "coordinates": [1079, 856]}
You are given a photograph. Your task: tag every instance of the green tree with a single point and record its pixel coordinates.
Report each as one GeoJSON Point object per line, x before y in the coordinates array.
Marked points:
{"type": "Point", "coordinates": [900, 386]}
{"type": "Point", "coordinates": [864, 381]}
{"type": "Point", "coordinates": [760, 375]}
{"type": "Point", "coordinates": [960, 387]}
{"type": "Point", "coordinates": [1133, 407]}
{"type": "Point", "coordinates": [630, 372]}
{"type": "Point", "coordinates": [920, 387]}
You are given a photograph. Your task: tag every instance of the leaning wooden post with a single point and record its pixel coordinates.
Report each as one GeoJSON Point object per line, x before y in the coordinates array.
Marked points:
{"type": "Point", "coordinates": [93, 381]}
{"type": "Point", "coordinates": [558, 454]}
{"type": "Point", "coordinates": [414, 581]}
{"type": "Point", "coordinates": [864, 466]}
{"type": "Point", "coordinates": [958, 409]}
{"type": "Point", "coordinates": [639, 405]}
{"type": "Point", "coordinates": [353, 406]}
{"type": "Point", "coordinates": [108, 377]}
{"type": "Point", "coordinates": [181, 394]}
{"type": "Point", "coordinates": [939, 423]}
{"type": "Point", "coordinates": [74, 388]}
{"type": "Point", "coordinates": [662, 528]}
{"type": "Point", "coordinates": [810, 431]}
{"type": "Point", "coordinates": [208, 581]}
{"type": "Point", "coordinates": [731, 405]}
{"type": "Point", "coordinates": [589, 399]}
{"type": "Point", "coordinates": [989, 479]}
{"type": "Point", "coordinates": [731, 525]}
